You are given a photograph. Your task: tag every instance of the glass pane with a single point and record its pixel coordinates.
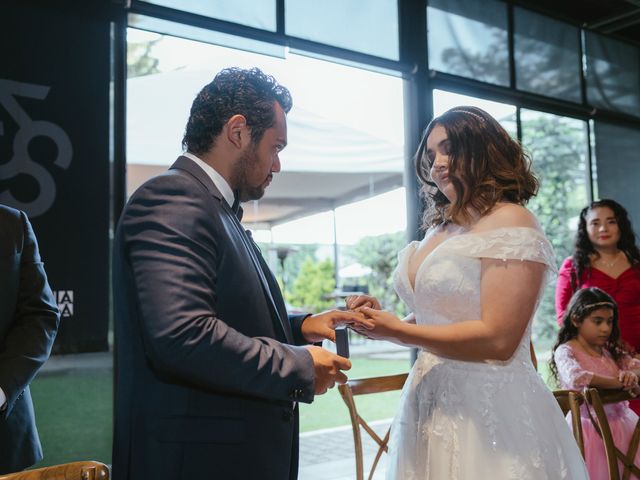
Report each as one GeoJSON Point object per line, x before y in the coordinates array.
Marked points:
{"type": "Point", "coordinates": [547, 56]}
{"type": "Point", "coordinates": [613, 74]}
{"type": "Point", "coordinates": [617, 164]}
{"type": "Point", "coordinates": [502, 112]}
{"type": "Point", "coordinates": [558, 148]}
{"type": "Point", "coordinates": [151, 24]}
{"type": "Point", "coordinates": [469, 38]}
{"type": "Point", "coordinates": [253, 13]}
{"type": "Point", "coordinates": [370, 27]}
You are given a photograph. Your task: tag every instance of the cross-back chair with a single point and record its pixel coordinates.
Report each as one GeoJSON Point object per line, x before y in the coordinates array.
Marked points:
{"type": "Point", "coordinates": [364, 386]}
{"type": "Point", "coordinates": [570, 401]}
{"type": "Point", "coordinates": [596, 399]}
{"type": "Point", "coordinates": [87, 470]}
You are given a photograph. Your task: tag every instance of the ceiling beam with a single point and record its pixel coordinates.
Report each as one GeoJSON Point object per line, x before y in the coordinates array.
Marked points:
{"type": "Point", "coordinates": [612, 21]}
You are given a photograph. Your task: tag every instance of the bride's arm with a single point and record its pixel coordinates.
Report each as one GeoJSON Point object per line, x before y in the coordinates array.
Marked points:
{"type": "Point", "coordinates": [508, 291]}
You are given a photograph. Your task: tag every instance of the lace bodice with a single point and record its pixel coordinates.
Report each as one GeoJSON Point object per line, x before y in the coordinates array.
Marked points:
{"type": "Point", "coordinates": [447, 283]}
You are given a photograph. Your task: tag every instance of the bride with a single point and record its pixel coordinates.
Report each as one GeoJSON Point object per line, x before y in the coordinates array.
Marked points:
{"type": "Point", "coordinates": [473, 406]}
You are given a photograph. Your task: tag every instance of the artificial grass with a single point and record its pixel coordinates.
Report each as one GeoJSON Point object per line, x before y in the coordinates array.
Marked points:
{"type": "Point", "coordinates": [74, 416]}
{"type": "Point", "coordinates": [74, 410]}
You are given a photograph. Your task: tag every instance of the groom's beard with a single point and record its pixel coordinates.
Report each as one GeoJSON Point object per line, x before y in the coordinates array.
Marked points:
{"type": "Point", "coordinates": [247, 162]}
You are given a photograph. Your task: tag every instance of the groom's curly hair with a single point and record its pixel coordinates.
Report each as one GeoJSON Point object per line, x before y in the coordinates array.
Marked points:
{"type": "Point", "coordinates": [234, 91]}
{"type": "Point", "coordinates": [486, 166]}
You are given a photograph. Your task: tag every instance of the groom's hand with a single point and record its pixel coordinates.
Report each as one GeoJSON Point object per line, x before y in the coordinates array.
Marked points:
{"type": "Point", "coordinates": [316, 328]}
{"type": "Point", "coordinates": [328, 368]}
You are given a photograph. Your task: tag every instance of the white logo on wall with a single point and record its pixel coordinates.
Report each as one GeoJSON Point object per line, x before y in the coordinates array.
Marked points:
{"type": "Point", "coordinates": [28, 130]}
{"type": "Point", "coordinates": [64, 299]}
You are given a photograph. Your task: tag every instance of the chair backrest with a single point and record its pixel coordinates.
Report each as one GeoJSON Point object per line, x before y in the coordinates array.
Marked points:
{"type": "Point", "coordinates": [570, 402]}
{"type": "Point", "coordinates": [88, 470]}
{"type": "Point", "coordinates": [364, 386]}
{"type": "Point", "coordinates": [596, 399]}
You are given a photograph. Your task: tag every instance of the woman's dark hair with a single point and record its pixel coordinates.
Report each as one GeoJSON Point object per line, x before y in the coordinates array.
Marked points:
{"type": "Point", "coordinates": [234, 91]}
{"type": "Point", "coordinates": [486, 166]}
{"type": "Point", "coordinates": [583, 247]}
{"type": "Point", "coordinates": [582, 304]}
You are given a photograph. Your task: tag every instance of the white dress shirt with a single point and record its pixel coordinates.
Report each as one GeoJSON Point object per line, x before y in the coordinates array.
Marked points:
{"type": "Point", "coordinates": [217, 179]}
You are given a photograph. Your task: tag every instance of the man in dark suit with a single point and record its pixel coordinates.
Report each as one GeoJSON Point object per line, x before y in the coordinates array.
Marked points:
{"type": "Point", "coordinates": [28, 325]}
{"type": "Point", "coordinates": [209, 366]}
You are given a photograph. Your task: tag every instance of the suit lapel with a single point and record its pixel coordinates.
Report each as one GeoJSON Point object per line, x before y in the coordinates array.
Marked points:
{"type": "Point", "coordinates": [270, 289]}
{"type": "Point", "coordinates": [258, 263]}
{"type": "Point", "coordinates": [274, 289]}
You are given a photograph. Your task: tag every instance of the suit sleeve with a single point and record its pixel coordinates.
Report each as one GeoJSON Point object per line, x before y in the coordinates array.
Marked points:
{"type": "Point", "coordinates": [28, 342]}
{"type": "Point", "coordinates": [173, 250]}
{"type": "Point", "coordinates": [564, 291]}
{"type": "Point", "coordinates": [296, 327]}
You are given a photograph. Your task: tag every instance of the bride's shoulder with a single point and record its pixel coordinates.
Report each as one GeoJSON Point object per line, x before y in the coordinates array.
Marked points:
{"type": "Point", "coordinates": [505, 215]}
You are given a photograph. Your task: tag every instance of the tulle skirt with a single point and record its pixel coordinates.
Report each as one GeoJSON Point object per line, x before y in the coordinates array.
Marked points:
{"type": "Point", "coordinates": [468, 420]}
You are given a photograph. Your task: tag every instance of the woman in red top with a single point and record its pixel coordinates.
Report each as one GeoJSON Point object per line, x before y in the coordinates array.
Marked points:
{"type": "Point", "coordinates": [605, 256]}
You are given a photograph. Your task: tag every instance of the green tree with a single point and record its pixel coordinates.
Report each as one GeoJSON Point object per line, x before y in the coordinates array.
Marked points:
{"type": "Point", "coordinates": [288, 270]}
{"type": "Point", "coordinates": [380, 253]}
{"type": "Point", "coordinates": [140, 60]}
{"type": "Point", "coordinates": [558, 149]}
{"type": "Point", "coordinates": [313, 284]}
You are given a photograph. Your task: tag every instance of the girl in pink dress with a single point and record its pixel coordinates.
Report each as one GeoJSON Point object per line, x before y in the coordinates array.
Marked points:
{"type": "Point", "coordinates": [589, 353]}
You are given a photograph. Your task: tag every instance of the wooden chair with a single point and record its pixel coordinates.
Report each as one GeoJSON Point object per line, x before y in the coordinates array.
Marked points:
{"type": "Point", "coordinates": [363, 386]}
{"type": "Point", "coordinates": [88, 470]}
{"type": "Point", "coordinates": [596, 399]}
{"type": "Point", "coordinates": [570, 401]}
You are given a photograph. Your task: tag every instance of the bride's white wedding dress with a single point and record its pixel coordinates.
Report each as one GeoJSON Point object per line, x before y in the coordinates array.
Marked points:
{"type": "Point", "coordinates": [475, 420]}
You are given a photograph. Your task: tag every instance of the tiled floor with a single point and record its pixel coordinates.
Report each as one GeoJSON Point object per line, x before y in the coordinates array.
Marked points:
{"type": "Point", "coordinates": [329, 455]}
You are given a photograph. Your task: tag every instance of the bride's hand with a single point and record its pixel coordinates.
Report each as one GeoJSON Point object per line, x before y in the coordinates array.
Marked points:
{"type": "Point", "coordinates": [386, 325]}
{"type": "Point", "coordinates": [357, 301]}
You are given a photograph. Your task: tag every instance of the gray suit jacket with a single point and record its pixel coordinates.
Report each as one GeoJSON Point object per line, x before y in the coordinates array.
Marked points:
{"type": "Point", "coordinates": [28, 326]}
{"type": "Point", "coordinates": [207, 371]}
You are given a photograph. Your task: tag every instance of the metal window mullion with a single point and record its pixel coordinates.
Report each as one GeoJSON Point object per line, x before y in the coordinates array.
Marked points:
{"type": "Point", "coordinates": [511, 45]}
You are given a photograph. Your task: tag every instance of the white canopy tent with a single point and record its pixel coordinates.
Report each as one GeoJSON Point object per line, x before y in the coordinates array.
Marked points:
{"type": "Point", "coordinates": [325, 165]}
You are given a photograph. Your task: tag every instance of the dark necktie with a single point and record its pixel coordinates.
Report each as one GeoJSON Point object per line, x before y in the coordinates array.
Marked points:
{"type": "Point", "coordinates": [237, 209]}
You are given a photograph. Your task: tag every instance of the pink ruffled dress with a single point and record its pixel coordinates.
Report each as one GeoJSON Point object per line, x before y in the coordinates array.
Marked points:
{"type": "Point", "coordinates": [575, 371]}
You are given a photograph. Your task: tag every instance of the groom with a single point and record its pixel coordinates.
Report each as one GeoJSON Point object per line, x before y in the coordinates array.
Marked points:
{"type": "Point", "coordinates": [209, 366]}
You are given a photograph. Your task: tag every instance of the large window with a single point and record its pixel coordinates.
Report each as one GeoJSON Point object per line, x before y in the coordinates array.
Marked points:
{"type": "Point", "coordinates": [350, 24]}
{"type": "Point", "coordinates": [559, 149]}
{"type": "Point", "coordinates": [469, 38]}
{"type": "Point", "coordinates": [253, 13]}
{"type": "Point", "coordinates": [613, 74]}
{"type": "Point", "coordinates": [547, 56]}
{"type": "Point", "coordinates": [617, 163]}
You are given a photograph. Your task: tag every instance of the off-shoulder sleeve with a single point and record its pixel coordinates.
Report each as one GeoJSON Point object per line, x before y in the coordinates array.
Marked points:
{"type": "Point", "coordinates": [563, 288]}
{"type": "Point", "coordinates": [507, 243]}
{"type": "Point", "coordinates": [571, 374]}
